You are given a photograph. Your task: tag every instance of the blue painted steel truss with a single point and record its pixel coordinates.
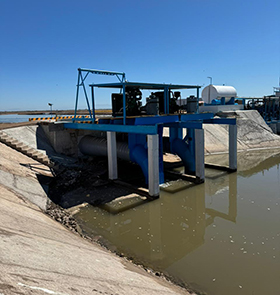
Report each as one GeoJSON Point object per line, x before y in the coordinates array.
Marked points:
{"type": "Point", "coordinates": [139, 127]}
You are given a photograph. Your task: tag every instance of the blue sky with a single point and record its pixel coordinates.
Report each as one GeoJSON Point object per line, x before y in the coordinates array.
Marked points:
{"type": "Point", "coordinates": [177, 41]}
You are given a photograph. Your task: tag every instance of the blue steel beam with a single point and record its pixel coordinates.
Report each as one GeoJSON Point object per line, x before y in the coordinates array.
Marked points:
{"type": "Point", "coordinates": [101, 72]}
{"type": "Point", "coordinates": [139, 129]}
{"type": "Point", "coordinates": [189, 124]}
{"type": "Point", "coordinates": [156, 120]}
{"type": "Point", "coordinates": [193, 117]}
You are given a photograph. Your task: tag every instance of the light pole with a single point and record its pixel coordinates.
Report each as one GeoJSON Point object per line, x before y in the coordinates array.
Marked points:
{"type": "Point", "coordinates": [50, 104]}
{"type": "Point", "coordinates": [210, 80]}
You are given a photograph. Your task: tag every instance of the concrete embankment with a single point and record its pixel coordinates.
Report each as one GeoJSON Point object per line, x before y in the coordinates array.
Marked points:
{"type": "Point", "coordinates": [40, 256]}
{"type": "Point", "coordinates": [252, 133]}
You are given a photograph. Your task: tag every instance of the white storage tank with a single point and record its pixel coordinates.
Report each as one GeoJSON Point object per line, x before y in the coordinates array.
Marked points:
{"type": "Point", "coordinates": [211, 92]}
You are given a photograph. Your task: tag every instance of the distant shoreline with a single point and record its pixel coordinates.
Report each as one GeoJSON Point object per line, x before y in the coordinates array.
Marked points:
{"type": "Point", "coordinates": [55, 112]}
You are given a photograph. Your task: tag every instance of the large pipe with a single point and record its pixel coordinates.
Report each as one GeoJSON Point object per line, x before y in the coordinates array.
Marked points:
{"type": "Point", "coordinates": [96, 146]}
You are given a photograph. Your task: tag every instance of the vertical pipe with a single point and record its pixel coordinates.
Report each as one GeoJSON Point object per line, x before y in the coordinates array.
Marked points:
{"type": "Point", "coordinates": [92, 99]}
{"type": "Point", "coordinates": [153, 162]}
{"type": "Point", "coordinates": [124, 105]}
{"type": "Point", "coordinates": [232, 147]}
{"type": "Point", "coordinates": [112, 155]}
{"type": "Point", "coordinates": [199, 154]}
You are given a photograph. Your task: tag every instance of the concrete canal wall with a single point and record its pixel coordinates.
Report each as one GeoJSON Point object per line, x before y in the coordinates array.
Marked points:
{"type": "Point", "coordinates": [252, 133]}
{"type": "Point", "coordinates": [40, 256]}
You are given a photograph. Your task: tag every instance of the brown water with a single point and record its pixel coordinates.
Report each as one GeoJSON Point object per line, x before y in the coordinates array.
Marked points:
{"type": "Point", "coordinates": [220, 237]}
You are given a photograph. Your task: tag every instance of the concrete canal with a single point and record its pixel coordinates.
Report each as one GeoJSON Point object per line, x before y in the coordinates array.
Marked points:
{"type": "Point", "coordinates": [220, 237]}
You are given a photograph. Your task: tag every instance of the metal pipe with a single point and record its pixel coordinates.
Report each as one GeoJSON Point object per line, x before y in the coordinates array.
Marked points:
{"type": "Point", "coordinates": [97, 146]}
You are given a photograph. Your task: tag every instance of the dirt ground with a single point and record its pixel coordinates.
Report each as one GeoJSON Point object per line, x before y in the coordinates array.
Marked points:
{"type": "Point", "coordinates": [13, 125]}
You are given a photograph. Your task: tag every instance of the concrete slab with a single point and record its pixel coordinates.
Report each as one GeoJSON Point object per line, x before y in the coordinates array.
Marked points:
{"type": "Point", "coordinates": [38, 255]}
{"type": "Point", "coordinates": [21, 174]}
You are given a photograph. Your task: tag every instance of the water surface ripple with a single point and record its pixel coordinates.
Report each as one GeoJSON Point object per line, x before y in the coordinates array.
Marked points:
{"type": "Point", "coordinates": [220, 237]}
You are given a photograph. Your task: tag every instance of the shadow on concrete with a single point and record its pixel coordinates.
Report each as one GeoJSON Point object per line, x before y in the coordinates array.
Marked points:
{"type": "Point", "coordinates": [44, 181]}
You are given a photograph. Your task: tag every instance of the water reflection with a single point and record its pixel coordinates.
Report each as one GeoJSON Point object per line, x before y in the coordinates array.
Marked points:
{"type": "Point", "coordinates": [167, 229]}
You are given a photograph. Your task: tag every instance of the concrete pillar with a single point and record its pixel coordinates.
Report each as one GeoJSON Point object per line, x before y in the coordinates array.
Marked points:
{"type": "Point", "coordinates": [153, 162]}
{"type": "Point", "coordinates": [199, 153]}
{"type": "Point", "coordinates": [232, 147]}
{"type": "Point", "coordinates": [112, 155]}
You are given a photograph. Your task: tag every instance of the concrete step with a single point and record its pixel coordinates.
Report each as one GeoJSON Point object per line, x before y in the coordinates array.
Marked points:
{"type": "Point", "coordinates": [9, 140]}
{"type": "Point", "coordinates": [11, 143]}
{"type": "Point", "coordinates": [38, 156]}
{"type": "Point", "coordinates": [4, 136]}
{"type": "Point", "coordinates": [25, 149]}
{"type": "Point", "coordinates": [36, 153]}
{"type": "Point", "coordinates": [19, 145]}
{"type": "Point", "coordinates": [31, 153]}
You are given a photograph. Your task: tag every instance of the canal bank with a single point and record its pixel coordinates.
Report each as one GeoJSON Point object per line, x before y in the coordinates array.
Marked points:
{"type": "Point", "coordinates": [40, 256]}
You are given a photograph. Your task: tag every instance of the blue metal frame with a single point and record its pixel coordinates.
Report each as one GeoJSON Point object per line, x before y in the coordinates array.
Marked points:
{"type": "Point", "coordinates": [81, 83]}
{"type": "Point", "coordinates": [138, 128]}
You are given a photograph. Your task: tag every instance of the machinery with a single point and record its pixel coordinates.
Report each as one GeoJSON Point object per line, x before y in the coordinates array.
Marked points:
{"type": "Point", "coordinates": [154, 103]}
{"type": "Point", "coordinates": [133, 102]}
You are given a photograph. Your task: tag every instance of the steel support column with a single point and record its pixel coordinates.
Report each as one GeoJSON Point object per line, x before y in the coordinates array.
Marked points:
{"type": "Point", "coordinates": [232, 147]}
{"type": "Point", "coordinates": [112, 155]}
{"type": "Point", "coordinates": [153, 162]}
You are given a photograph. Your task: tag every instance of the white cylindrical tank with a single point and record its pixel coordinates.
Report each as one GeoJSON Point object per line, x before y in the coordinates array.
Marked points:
{"type": "Point", "coordinates": [211, 92]}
